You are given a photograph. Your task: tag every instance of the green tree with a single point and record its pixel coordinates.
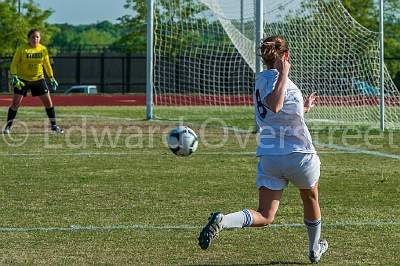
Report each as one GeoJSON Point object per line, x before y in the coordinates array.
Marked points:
{"type": "Point", "coordinates": [15, 26]}
{"type": "Point", "coordinates": [134, 40]}
{"type": "Point", "coordinates": [86, 37]}
{"type": "Point", "coordinates": [173, 15]}
{"type": "Point", "coordinates": [66, 36]}
{"type": "Point", "coordinates": [96, 37]}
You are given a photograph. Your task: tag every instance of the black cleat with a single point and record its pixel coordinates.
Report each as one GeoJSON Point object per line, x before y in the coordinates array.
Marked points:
{"type": "Point", "coordinates": [211, 230]}
{"type": "Point", "coordinates": [56, 129]}
{"type": "Point", "coordinates": [7, 131]}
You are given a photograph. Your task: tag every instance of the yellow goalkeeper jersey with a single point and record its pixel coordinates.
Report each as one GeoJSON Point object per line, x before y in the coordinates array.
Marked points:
{"type": "Point", "coordinates": [28, 63]}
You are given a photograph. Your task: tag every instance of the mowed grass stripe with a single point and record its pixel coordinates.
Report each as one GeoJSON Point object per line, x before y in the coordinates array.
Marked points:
{"type": "Point", "coordinates": [74, 228]}
{"type": "Point", "coordinates": [340, 150]}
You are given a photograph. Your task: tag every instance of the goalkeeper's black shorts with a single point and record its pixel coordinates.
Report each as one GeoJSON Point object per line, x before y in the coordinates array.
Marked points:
{"type": "Point", "coordinates": [37, 88]}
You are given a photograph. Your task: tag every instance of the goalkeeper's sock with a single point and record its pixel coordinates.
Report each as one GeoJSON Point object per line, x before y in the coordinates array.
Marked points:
{"type": "Point", "coordinates": [237, 219]}
{"type": "Point", "coordinates": [52, 115]}
{"type": "Point", "coordinates": [10, 117]}
{"type": "Point", "coordinates": [314, 233]}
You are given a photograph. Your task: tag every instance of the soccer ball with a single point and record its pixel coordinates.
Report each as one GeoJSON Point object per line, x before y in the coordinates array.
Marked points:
{"type": "Point", "coordinates": [182, 141]}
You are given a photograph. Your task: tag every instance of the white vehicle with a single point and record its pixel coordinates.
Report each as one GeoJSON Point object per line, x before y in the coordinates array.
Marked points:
{"type": "Point", "coordinates": [82, 89]}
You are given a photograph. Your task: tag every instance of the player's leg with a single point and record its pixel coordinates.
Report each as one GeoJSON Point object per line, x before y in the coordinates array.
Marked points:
{"type": "Point", "coordinates": [312, 215]}
{"type": "Point", "coordinates": [48, 104]}
{"type": "Point", "coordinates": [312, 220]}
{"type": "Point", "coordinates": [39, 88]}
{"type": "Point", "coordinates": [270, 193]}
{"type": "Point", "coordinates": [271, 183]}
{"type": "Point", "coordinates": [12, 111]}
{"type": "Point", "coordinates": [305, 175]}
{"type": "Point", "coordinates": [268, 204]}
{"type": "Point", "coordinates": [267, 207]}
{"type": "Point", "coordinates": [265, 214]}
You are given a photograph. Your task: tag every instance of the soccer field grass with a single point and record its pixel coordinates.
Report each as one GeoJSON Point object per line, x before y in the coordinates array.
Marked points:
{"type": "Point", "coordinates": [109, 191]}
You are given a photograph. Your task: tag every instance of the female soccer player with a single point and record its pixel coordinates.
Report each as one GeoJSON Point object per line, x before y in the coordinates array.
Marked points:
{"type": "Point", "coordinates": [285, 152]}
{"type": "Point", "coordinates": [27, 74]}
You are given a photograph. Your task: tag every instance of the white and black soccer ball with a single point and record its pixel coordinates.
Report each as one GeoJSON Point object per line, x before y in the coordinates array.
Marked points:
{"type": "Point", "coordinates": [182, 141]}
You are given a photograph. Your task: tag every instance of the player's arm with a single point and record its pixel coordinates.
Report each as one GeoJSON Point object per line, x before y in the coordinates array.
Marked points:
{"type": "Point", "coordinates": [47, 65]}
{"type": "Point", "coordinates": [309, 102]}
{"type": "Point", "coordinates": [16, 61]}
{"type": "Point", "coordinates": [49, 71]}
{"type": "Point", "coordinates": [276, 98]}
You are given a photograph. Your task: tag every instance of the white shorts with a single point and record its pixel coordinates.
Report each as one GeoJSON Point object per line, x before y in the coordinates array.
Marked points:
{"type": "Point", "coordinates": [275, 171]}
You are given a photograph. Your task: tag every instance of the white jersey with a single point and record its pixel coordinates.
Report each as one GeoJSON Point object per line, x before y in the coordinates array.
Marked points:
{"type": "Point", "coordinates": [283, 132]}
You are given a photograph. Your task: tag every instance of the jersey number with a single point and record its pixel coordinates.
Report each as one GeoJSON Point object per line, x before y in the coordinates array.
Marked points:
{"type": "Point", "coordinates": [262, 110]}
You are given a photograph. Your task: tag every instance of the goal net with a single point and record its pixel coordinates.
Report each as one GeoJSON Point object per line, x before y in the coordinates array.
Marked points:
{"type": "Point", "coordinates": [205, 55]}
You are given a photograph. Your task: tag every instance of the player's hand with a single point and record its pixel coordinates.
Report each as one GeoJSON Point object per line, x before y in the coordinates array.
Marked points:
{"type": "Point", "coordinates": [53, 84]}
{"type": "Point", "coordinates": [282, 65]}
{"type": "Point", "coordinates": [17, 83]}
{"type": "Point", "coordinates": [309, 102]}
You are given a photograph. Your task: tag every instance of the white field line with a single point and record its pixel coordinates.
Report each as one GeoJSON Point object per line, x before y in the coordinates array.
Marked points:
{"type": "Point", "coordinates": [32, 155]}
{"type": "Point", "coordinates": [360, 151]}
{"type": "Point", "coordinates": [340, 150]}
{"type": "Point", "coordinates": [336, 147]}
{"type": "Point", "coordinates": [84, 228]}
{"type": "Point", "coordinates": [78, 154]}
{"type": "Point", "coordinates": [93, 117]}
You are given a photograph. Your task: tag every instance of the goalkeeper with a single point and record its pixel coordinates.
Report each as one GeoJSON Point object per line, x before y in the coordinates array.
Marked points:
{"type": "Point", "coordinates": [27, 67]}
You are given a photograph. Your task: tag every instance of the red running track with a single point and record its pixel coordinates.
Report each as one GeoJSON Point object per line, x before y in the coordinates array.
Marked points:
{"type": "Point", "coordinates": [177, 100]}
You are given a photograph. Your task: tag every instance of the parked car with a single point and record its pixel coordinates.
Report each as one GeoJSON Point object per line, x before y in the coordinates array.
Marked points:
{"type": "Point", "coordinates": [82, 89]}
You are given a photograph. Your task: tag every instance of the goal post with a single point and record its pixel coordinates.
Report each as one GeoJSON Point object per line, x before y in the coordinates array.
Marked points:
{"type": "Point", "coordinates": [259, 17]}
{"type": "Point", "coordinates": [381, 66]}
{"type": "Point", "coordinates": [205, 54]}
{"type": "Point", "coordinates": [149, 60]}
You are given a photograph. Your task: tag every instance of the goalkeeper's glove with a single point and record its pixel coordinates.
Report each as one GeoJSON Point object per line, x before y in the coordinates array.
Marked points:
{"type": "Point", "coordinates": [53, 84]}
{"type": "Point", "coordinates": [17, 83]}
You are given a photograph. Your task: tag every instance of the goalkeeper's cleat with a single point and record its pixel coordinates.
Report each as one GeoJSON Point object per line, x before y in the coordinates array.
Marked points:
{"type": "Point", "coordinates": [7, 131]}
{"type": "Point", "coordinates": [315, 256]}
{"type": "Point", "coordinates": [56, 129]}
{"type": "Point", "coordinates": [211, 230]}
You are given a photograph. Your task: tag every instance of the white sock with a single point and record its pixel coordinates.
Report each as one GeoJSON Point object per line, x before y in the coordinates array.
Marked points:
{"type": "Point", "coordinates": [237, 219]}
{"type": "Point", "coordinates": [314, 233]}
